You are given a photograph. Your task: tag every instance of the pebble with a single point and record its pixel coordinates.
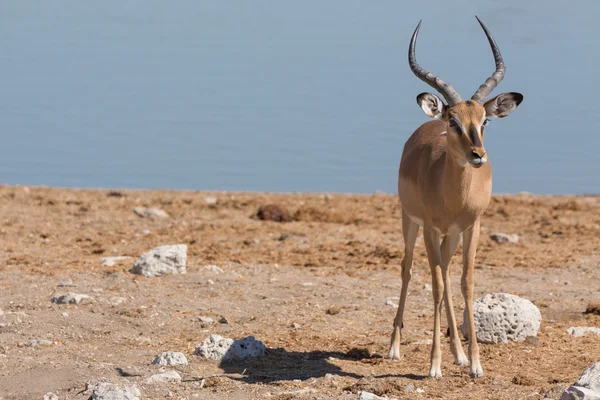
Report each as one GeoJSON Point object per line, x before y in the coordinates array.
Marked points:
{"type": "Point", "coordinates": [146, 212]}
{"type": "Point", "coordinates": [369, 396]}
{"type": "Point", "coordinates": [70, 298]}
{"type": "Point", "coordinates": [170, 358]}
{"type": "Point", "coordinates": [206, 320]}
{"type": "Point", "coordinates": [295, 325]}
{"type": "Point", "coordinates": [112, 261]}
{"type": "Point", "coordinates": [579, 331]}
{"type": "Point", "coordinates": [50, 396]}
{"type": "Point", "coordinates": [165, 377]}
{"type": "Point", "coordinates": [423, 342]}
{"type": "Point", "coordinates": [214, 268]}
{"type": "Point", "coordinates": [65, 314]}
{"type": "Point", "coordinates": [499, 237]}
{"type": "Point", "coordinates": [68, 283]}
{"type": "Point", "coordinates": [389, 302]}
{"type": "Point", "coordinates": [223, 320]}
{"type": "Point", "coordinates": [210, 282]}
{"type": "Point", "coordinates": [115, 301]}
{"type": "Point", "coordinates": [427, 287]}
{"type": "Point", "coordinates": [39, 342]}
{"type": "Point", "coordinates": [211, 201]}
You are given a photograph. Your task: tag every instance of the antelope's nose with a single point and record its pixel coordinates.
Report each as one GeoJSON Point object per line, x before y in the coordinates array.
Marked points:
{"type": "Point", "coordinates": [478, 152]}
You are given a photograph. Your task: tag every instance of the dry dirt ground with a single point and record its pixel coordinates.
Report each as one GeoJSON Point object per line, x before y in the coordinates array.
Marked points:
{"type": "Point", "coordinates": [330, 271]}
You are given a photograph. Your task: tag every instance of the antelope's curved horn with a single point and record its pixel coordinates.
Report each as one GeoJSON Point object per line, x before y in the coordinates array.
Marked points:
{"type": "Point", "coordinates": [435, 82]}
{"type": "Point", "coordinates": [486, 88]}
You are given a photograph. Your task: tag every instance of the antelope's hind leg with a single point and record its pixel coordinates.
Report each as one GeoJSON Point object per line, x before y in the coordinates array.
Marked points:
{"type": "Point", "coordinates": [410, 230]}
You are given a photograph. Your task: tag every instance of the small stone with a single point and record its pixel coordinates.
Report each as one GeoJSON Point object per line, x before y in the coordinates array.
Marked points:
{"type": "Point", "coordinates": [499, 237]}
{"type": "Point", "coordinates": [170, 358]}
{"type": "Point", "coordinates": [39, 342]}
{"type": "Point", "coordinates": [369, 396]}
{"type": "Point", "coordinates": [68, 283]}
{"type": "Point", "coordinates": [169, 259]}
{"type": "Point", "coordinates": [211, 201]}
{"type": "Point", "coordinates": [410, 387]}
{"type": "Point", "coordinates": [146, 232]}
{"type": "Point", "coordinates": [115, 301]}
{"type": "Point", "coordinates": [579, 331]}
{"type": "Point", "coordinates": [223, 320]}
{"type": "Point", "coordinates": [389, 302]}
{"type": "Point", "coordinates": [329, 376]}
{"type": "Point", "coordinates": [210, 282]}
{"type": "Point", "coordinates": [108, 391]}
{"type": "Point", "coordinates": [65, 314]}
{"type": "Point", "coordinates": [50, 396]}
{"type": "Point", "coordinates": [112, 261]}
{"type": "Point", "coordinates": [97, 290]}
{"type": "Point", "coordinates": [425, 342]}
{"type": "Point", "coordinates": [307, 284]}
{"type": "Point", "coordinates": [146, 212]}
{"type": "Point", "coordinates": [333, 310]}
{"type": "Point", "coordinates": [219, 348]}
{"type": "Point", "coordinates": [427, 287]}
{"type": "Point", "coordinates": [580, 393]}
{"type": "Point", "coordinates": [295, 325]}
{"type": "Point", "coordinates": [214, 268]}
{"type": "Point", "coordinates": [165, 377]}
{"type": "Point", "coordinates": [532, 341]}
{"type": "Point", "coordinates": [205, 320]}
{"type": "Point", "coordinates": [71, 298]}
{"type": "Point", "coordinates": [419, 390]}
{"type": "Point", "coordinates": [273, 212]}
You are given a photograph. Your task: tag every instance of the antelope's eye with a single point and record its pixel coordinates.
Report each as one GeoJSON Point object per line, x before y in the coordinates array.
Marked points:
{"type": "Point", "coordinates": [452, 123]}
{"type": "Point", "coordinates": [485, 123]}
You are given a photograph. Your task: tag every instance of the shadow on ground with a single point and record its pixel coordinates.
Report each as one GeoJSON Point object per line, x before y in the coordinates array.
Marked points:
{"type": "Point", "coordinates": [283, 365]}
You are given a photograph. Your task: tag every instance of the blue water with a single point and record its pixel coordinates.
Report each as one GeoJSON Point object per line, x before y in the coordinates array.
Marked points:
{"type": "Point", "coordinates": [285, 96]}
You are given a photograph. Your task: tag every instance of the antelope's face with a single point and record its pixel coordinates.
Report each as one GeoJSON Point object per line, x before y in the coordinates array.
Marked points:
{"type": "Point", "coordinates": [466, 122]}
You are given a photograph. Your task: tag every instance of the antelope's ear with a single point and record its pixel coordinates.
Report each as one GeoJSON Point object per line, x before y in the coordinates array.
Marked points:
{"type": "Point", "coordinates": [432, 105]}
{"type": "Point", "coordinates": [502, 105]}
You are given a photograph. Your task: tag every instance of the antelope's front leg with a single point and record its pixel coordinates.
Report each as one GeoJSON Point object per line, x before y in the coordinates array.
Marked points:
{"type": "Point", "coordinates": [470, 239]}
{"type": "Point", "coordinates": [432, 244]}
{"type": "Point", "coordinates": [448, 248]}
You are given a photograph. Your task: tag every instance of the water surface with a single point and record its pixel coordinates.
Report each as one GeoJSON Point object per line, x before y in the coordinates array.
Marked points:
{"type": "Point", "coordinates": [285, 96]}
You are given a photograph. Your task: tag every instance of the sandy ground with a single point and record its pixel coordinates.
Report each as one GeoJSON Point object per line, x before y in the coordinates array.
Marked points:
{"type": "Point", "coordinates": [330, 271]}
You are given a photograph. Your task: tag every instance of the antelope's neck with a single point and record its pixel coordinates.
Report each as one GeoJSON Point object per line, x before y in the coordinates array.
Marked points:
{"type": "Point", "coordinates": [466, 189]}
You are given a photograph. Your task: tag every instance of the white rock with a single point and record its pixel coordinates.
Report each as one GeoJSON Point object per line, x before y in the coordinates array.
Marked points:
{"type": "Point", "coordinates": [145, 212]}
{"type": "Point", "coordinates": [165, 377]}
{"type": "Point", "coordinates": [211, 201]}
{"type": "Point", "coordinates": [210, 282]}
{"type": "Point", "coordinates": [170, 259]}
{"type": "Point", "coordinates": [427, 287]}
{"type": "Point", "coordinates": [115, 300]}
{"type": "Point", "coordinates": [219, 348]}
{"type": "Point", "coordinates": [370, 396]}
{"type": "Point", "coordinates": [39, 342]}
{"type": "Point", "coordinates": [50, 396]}
{"type": "Point", "coordinates": [108, 391]}
{"type": "Point", "coordinates": [423, 342]}
{"type": "Point", "coordinates": [389, 302]}
{"type": "Point", "coordinates": [170, 358]}
{"type": "Point", "coordinates": [68, 283]}
{"type": "Point", "coordinates": [214, 268]}
{"type": "Point", "coordinates": [206, 320]}
{"type": "Point", "coordinates": [504, 238]}
{"type": "Point", "coordinates": [71, 298]}
{"type": "Point", "coordinates": [111, 261]}
{"type": "Point", "coordinates": [503, 318]}
{"type": "Point", "coordinates": [580, 393]}
{"type": "Point", "coordinates": [590, 378]}
{"type": "Point", "coordinates": [579, 331]}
